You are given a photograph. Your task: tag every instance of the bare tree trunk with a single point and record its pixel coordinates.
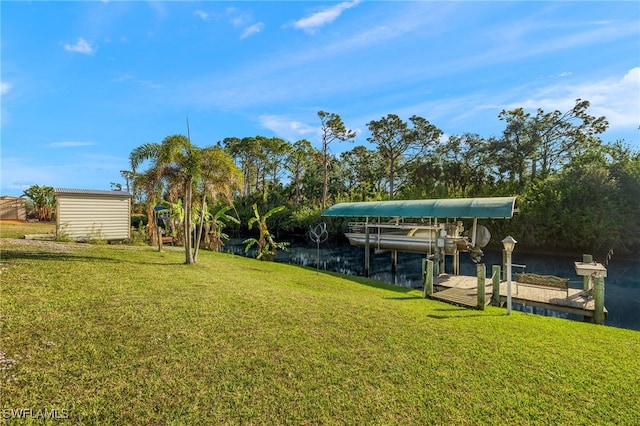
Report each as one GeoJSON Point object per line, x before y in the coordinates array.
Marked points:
{"type": "Point", "coordinates": [325, 184]}
{"type": "Point", "coordinates": [197, 245]}
{"type": "Point", "coordinates": [151, 228]}
{"type": "Point", "coordinates": [187, 223]}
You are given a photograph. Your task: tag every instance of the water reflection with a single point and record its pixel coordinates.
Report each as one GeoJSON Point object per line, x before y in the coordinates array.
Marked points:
{"type": "Point", "coordinates": [622, 285]}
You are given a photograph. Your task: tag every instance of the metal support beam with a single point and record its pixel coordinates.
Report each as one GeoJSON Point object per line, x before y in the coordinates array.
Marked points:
{"type": "Point", "coordinates": [367, 251]}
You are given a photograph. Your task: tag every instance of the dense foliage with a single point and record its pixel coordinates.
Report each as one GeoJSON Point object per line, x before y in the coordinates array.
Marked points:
{"type": "Point", "coordinates": [575, 191]}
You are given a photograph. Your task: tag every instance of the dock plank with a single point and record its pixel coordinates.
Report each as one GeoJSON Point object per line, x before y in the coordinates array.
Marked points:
{"type": "Point", "coordinates": [461, 290]}
{"type": "Point", "coordinates": [459, 296]}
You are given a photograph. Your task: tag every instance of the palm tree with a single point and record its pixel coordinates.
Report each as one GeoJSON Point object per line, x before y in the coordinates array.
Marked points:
{"type": "Point", "coordinates": [150, 185]}
{"type": "Point", "coordinates": [177, 161]}
{"type": "Point", "coordinates": [220, 177]}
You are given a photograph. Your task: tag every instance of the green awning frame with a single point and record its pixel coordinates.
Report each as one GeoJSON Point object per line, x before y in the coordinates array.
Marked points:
{"type": "Point", "coordinates": [458, 208]}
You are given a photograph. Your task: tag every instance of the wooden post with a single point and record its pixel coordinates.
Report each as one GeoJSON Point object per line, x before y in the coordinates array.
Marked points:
{"type": "Point", "coordinates": [367, 254]}
{"type": "Point", "coordinates": [427, 277]}
{"type": "Point", "coordinates": [586, 280]}
{"type": "Point", "coordinates": [394, 261]}
{"type": "Point", "coordinates": [495, 296]}
{"type": "Point", "coordinates": [598, 294]}
{"type": "Point", "coordinates": [482, 275]}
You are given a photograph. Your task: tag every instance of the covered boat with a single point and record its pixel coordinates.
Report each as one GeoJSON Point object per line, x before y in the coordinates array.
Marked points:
{"type": "Point", "coordinates": [435, 227]}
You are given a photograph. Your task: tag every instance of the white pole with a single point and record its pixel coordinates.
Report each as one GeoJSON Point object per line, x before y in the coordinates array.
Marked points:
{"type": "Point", "coordinates": [508, 282]}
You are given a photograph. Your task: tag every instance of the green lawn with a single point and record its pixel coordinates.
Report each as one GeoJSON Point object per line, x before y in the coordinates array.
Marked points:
{"type": "Point", "coordinates": [125, 335]}
{"type": "Point", "coordinates": [11, 229]}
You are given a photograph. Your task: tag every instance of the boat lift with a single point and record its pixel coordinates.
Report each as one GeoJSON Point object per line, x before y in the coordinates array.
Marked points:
{"type": "Point", "coordinates": [429, 236]}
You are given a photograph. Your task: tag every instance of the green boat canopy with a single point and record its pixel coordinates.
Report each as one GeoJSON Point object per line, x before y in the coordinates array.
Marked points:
{"type": "Point", "coordinates": [458, 208]}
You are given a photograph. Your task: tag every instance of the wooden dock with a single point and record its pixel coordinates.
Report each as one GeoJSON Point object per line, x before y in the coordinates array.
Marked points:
{"type": "Point", "coordinates": [462, 290]}
{"type": "Point", "coordinates": [459, 289]}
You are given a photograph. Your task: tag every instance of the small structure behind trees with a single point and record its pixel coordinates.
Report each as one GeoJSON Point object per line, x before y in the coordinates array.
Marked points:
{"type": "Point", "coordinates": [12, 208]}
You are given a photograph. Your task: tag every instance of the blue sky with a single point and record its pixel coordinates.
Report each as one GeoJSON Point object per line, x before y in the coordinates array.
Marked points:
{"type": "Point", "coordinates": [83, 83]}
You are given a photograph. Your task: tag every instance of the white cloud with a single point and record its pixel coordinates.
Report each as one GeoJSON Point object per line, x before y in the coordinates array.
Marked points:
{"type": "Point", "coordinates": [123, 77]}
{"type": "Point", "coordinates": [251, 30]}
{"type": "Point", "coordinates": [286, 128]}
{"type": "Point", "coordinates": [81, 46]}
{"type": "Point", "coordinates": [241, 19]}
{"type": "Point", "coordinates": [202, 15]}
{"type": "Point", "coordinates": [70, 144]}
{"type": "Point", "coordinates": [4, 87]}
{"type": "Point", "coordinates": [617, 99]}
{"type": "Point", "coordinates": [326, 16]}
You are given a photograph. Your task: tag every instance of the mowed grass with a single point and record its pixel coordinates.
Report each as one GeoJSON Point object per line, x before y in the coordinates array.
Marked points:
{"type": "Point", "coordinates": [122, 335]}
{"type": "Point", "coordinates": [17, 229]}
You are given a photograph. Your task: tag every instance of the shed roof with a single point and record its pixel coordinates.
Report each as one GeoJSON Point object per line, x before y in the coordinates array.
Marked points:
{"type": "Point", "coordinates": [91, 192]}
{"type": "Point", "coordinates": [488, 208]}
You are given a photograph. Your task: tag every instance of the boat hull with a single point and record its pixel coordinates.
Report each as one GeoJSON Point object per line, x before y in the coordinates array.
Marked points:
{"type": "Point", "coordinates": [406, 243]}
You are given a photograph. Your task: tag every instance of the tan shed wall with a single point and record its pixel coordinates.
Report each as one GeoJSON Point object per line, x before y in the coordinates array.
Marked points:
{"type": "Point", "coordinates": [88, 216]}
{"type": "Point", "coordinates": [12, 208]}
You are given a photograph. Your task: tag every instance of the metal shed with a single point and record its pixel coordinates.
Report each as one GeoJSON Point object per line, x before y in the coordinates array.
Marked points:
{"type": "Point", "coordinates": [12, 208]}
{"type": "Point", "coordinates": [83, 214]}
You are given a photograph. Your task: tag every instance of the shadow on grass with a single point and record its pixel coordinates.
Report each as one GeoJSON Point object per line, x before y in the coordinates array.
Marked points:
{"type": "Point", "coordinates": [453, 316]}
{"type": "Point", "coordinates": [370, 282]}
{"type": "Point", "coordinates": [69, 257]}
{"type": "Point", "coordinates": [457, 312]}
{"type": "Point", "coordinates": [404, 298]}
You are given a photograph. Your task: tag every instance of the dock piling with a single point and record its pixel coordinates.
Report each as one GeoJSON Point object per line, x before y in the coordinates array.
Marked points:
{"type": "Point", "coordinates": [482, 276]}
{"type": "Point", "coordinates": [427, 277]}
{"type": "Point", "coordinates": [598, 293]}
{"type": "Point", "coordinates": [495, 282]}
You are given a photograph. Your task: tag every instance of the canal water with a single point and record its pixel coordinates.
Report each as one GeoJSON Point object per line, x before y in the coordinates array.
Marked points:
{"type": "Point", "coordinates": [622, 285]}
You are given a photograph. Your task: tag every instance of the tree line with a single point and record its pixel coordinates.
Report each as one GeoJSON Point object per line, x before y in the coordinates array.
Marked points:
{"type": "Point", "coordinates": [575, 191]}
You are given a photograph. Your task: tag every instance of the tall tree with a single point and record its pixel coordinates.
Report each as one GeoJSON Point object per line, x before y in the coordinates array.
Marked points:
{"type": "Point", "coordinates": [332, 129]}
{"type": "Point", "coordinates": [299, 158]}
{"type": "Point", "coordinates": [400, 144]}
{"type": "Point", "coordinates": [219, 179]}
{"type": "Point", "coordinates": [247, 154]}
{"type": "Point", "coordinates": [276, 151]}
{"type": "Point", "coordinates": [179, 163]}
{"type": "Point", "coordinates": [463, 163]}
{"type": "Point", "coordinates": [364, 172]}
{"type": "Point", "coordinates": [533, 146]}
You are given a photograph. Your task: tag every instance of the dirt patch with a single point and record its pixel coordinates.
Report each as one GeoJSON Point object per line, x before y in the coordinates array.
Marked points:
{"type": "Point", "coordinates": [19, 222]}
